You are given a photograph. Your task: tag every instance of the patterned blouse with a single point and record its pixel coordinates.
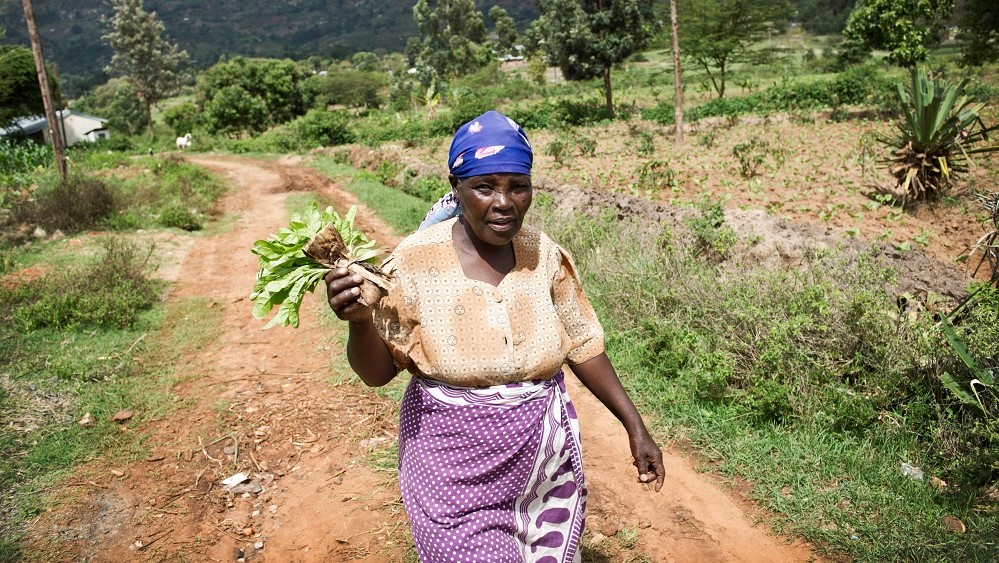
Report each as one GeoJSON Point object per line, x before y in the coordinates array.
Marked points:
{"type": "Point", "coordinates": [439, 324]}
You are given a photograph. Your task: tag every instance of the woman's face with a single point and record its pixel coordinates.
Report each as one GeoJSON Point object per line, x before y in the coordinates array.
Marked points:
{"type": "Point", "coordinates": [494, 205]}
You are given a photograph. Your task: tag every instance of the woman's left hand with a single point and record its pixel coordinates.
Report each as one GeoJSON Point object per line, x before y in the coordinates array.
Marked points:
{"type": "Point", "coordinates": [648, 458]}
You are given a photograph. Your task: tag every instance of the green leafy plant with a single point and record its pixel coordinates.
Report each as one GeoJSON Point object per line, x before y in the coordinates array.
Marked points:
{"type": "Point", "coordinates": [655, 176]}
{"type": "Point", "coordinates": [936, 137]}
{"type": "Point", "coordinates": [293, 261]}
{"type": "Point", "coordinates": [714, 237]}
{"type": "Point", "coordinates": [751, 156]}
{"type": "Point", "coordinates": [569, 143]}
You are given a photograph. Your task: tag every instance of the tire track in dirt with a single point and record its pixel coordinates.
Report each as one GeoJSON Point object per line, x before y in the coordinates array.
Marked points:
{"type": "Point", "coordinates": [263, 403]}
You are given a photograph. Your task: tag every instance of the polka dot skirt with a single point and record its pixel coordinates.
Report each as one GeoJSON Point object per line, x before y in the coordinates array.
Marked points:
{"type": "Point", "coordinates": [492, 474]}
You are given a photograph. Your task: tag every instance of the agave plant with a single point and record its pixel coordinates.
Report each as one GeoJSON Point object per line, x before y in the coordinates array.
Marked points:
{"type": "Point", "coordinates": [940, 131]}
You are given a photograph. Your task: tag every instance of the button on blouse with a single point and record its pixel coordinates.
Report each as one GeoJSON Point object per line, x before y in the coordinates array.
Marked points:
{"type": "Point", "coordinates": [440, 324]}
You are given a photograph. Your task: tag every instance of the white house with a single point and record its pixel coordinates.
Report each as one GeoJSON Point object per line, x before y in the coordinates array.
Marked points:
{"type": "Point", "coordinates": [77, 127]}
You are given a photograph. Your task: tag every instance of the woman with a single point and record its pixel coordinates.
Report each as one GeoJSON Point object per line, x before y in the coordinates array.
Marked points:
{"type": "Point", "coordinates": [484, 314]}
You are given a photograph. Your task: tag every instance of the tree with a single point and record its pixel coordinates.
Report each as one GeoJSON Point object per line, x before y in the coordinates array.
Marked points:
{"type": "Point", "coordinates": [117, 101]}
{"type": "Point", "coordinates": [233, 110]}
{"type": "Point", "coordinates": [453, 33]}
{"type": "Point", "coordinates": [718, 33]}
{"type": "Point", "coordinates": [19, 93]}
{"type": "Point", "coordinates": [904, 28]}
{"type": "Point", "coordinates": [269, 91]}
{"type": "Point", "coordinates": [141, 54]}
{"type": "Point", "coordinates": [981, 24]}
{"type": "Point", "coordinates": [586, 38]}
{"type": "Point", "coordinates": [505, 29]}
{"type": "Point", "coordinates": [677, 74]}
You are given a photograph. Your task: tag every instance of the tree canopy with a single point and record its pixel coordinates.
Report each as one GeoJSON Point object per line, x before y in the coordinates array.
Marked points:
{"type": "Point", "coordinates": [19, 92]}
{"type": "Point", "coordinates": [250, 95]}
{"type": "Point", "coordinates": [904, 28]}
{"type": "Point", "coordinates": [505, 29]}
{"type": "Point", "coordinates": [453, 32]}
{"type": "Point", "coordinates": [586, 38]}
{"type": "Point", "coordinates": [981, 26]}
{"type": "Point", "coordinates": [141, 54]}
{"type": "Point", "coordinates": [716, 33]}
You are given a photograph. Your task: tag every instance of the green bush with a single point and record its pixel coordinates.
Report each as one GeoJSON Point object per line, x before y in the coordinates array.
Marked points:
{"type": "Point", "coordinates": [726, 107]}
{"type": "Point", "coordinates": [714, 238]}
{"type": "Point", "coordinates": [861, 84]}
{"type": "Point", "coordinates": [561, 113]}
{"type": "Point", "coordinates": [664, 113]}
{"type": "Point", "coordinates": [182, 118]}
{"type": "Point", "coordinates": [427, 188]}
{"type": "Point", "coordinates": [751, 156]}
{"type": "Point", "coordinates": [323, 128]}
{"type": "Point", "coordinates": [655, 176]}
{"type": "Point", "coordinates": [110, 292]}
{"type": "Point", "coordinates": [178, 216]}
{"type": "Point", "coordinates": [794, 96]}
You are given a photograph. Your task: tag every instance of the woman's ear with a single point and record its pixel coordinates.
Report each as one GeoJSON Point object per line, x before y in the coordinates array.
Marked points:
{"type": "Point", "coordinates": [454, 181]}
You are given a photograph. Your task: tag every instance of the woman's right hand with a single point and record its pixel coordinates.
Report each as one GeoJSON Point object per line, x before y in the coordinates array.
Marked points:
{"type": "Point", "coordinates": [342, 292]}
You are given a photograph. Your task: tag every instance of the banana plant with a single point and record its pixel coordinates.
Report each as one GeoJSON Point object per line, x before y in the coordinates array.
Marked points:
{"type": "Point", "coordinates": [940, 129]}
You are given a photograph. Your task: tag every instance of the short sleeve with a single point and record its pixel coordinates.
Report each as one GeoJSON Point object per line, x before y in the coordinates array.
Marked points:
{"type": "Point", "coordinates": [396, 318]}
{"type": "Point", "coordinates": [574, 310]}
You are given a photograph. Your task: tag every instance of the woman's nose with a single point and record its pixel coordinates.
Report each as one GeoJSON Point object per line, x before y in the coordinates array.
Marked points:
{"type": "Point", "coordinates": [502, 199]}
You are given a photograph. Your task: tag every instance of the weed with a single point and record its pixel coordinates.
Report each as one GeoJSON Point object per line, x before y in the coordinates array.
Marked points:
{"type": "Point", "coordinates": [77, 203]}
{"type": "Point", "coordinates": [178, 216]}
{"type": "Point", "coordinates": [570, 143]}
{"type": "Point", "coordinates": [751, 156]}
{"type": "Point", "coordinates": [112, 292]}
{"type": "Point", "coordinates": [707, 138]}
{"type": "Point", "coordinates": [709, 229]}
{"type": "Point", "coordinates": [655, 176]}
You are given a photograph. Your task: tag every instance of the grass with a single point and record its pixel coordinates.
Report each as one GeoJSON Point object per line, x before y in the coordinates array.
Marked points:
{"type": "Point", "coordinates": [91, 336]}
{"type": "Point", "coordinates": [403, 212]}
{"type": "Point", "coordinates": [818, 425]}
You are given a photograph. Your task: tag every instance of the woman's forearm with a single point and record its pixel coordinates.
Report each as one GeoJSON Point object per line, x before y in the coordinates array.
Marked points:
{"type": "Point", "coordinates": [368, 355]}
{"type": "Point", "coordinates": [598, 375]}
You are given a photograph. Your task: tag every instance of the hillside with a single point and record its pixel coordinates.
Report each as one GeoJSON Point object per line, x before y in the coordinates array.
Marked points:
{"type": "Point", "coordinates": [71, 29]}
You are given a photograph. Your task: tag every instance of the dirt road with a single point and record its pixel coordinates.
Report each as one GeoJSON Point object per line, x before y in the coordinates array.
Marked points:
{"type": "Point", "coordinates": [317, 453]}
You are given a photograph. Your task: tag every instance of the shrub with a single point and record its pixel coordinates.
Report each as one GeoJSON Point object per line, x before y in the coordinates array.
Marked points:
{"type": "Point", "coordinates": [751, 156]}
{"type": "Point", "coordinates": [860, 84]}
{"type": "Point", "coordinates": [561, 113]}
{"type": "Point", "coordinates": [570, 143]}
{"type": "Point", "coordinates": [655, 176]}
{"type": "Point", "coordinates": [726, 107]}
{"type": "Point", "coordinates": [77, 203]}
{"type": "Point", "coordinates": [182, 118]}
{"type": "Point", "coordinates": [178, 216]}
{"type": "Point", "coordinates": [795, 96]}
{"type": "Point", "coordinates": [664, 113]}
{"type": "Point", "coordinates": [427, 188]}
{"type": "Point", "coordinates": [323, 128]}
{"type": "Point", "coordinates": [111, 292]}
{"type": "Point", "coordinates": [714, 238]}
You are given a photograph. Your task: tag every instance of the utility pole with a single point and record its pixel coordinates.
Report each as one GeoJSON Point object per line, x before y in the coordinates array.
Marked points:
{"type": "Point", "coordinates": [55, 133]}
{"type": "Point", "coordinates": [677, 76]}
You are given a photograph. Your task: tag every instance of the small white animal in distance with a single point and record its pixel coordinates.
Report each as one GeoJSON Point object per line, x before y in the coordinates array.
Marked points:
{"type": "Point", "coordinates": [184, 142]}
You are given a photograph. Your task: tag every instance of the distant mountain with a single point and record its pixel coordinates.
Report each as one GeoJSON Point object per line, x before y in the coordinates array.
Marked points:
{"type": "Point", "coordinates": [71, 29]}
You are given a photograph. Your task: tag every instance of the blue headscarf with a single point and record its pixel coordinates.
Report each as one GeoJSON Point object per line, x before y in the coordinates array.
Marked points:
{"type": "Point", "coordinates": [489, 144]}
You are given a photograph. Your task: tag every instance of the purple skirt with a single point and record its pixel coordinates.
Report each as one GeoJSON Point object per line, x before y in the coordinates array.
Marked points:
{"type": "Point", "coordinates": [492, 474]}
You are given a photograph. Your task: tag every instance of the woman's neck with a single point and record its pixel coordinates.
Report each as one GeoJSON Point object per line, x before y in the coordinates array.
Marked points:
{"type": "Point", "coordinates": [481, 260]}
